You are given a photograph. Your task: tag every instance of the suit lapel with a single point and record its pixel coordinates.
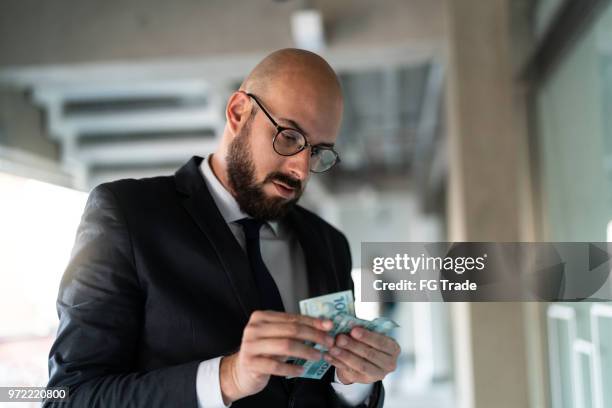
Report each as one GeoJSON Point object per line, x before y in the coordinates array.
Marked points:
{"type": "Point", "coordinates": [201, 207]}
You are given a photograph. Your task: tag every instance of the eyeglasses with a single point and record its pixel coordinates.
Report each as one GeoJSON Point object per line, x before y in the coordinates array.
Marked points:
{"type": "Point", "coordinates": [288, 142]}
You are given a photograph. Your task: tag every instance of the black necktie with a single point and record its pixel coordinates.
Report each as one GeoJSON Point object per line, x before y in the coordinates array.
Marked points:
{"type": "Point", "coordinates": [268, 291]}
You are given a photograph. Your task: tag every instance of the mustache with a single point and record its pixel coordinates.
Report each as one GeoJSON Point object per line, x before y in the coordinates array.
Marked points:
{"type": "Point", "coordinates": [283, 178]}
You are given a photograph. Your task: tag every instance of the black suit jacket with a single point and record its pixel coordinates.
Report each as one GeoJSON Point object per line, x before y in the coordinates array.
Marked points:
{"type": "Point", "coordinates": [157, 283]}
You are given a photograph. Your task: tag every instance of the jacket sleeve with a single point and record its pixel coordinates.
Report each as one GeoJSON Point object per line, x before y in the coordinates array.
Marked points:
{"type": "Point", "coordinates": [100, 307]}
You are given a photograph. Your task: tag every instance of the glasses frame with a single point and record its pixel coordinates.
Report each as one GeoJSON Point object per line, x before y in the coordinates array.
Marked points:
{"type": "Point", "coordinates": [280, 128]}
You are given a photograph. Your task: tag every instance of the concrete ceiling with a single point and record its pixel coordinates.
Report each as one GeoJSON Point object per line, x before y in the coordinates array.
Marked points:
{"type": "Point", "coordinates": [135, 88]}
{"type": "Point", "coordinates": [35, 32]}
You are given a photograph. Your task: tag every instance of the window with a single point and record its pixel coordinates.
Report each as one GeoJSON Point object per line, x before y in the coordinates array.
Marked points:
{"type": "Point", "coordinates": [38, 224]}
{"type": "Point", "coordinates": [573, 106]}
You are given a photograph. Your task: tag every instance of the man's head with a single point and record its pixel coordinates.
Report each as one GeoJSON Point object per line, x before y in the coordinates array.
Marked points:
{"type": "Point", "coordinates": [299, 90]}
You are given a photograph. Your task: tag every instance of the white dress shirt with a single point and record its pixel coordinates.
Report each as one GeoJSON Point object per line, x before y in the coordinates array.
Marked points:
{"type": "Point", "coordinates": [284, 258]}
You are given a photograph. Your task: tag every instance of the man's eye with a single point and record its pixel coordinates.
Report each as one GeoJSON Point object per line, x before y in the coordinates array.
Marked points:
{"type": "Point", "coordinates": [290, 136]}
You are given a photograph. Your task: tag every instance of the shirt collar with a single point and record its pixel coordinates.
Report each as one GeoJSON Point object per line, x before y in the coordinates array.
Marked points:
{"type": "Point", "coordinates": [226, 203]}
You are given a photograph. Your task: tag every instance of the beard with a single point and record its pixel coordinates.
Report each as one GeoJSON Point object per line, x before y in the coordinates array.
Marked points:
{"type": "Point", "coordinates": [249, 194]}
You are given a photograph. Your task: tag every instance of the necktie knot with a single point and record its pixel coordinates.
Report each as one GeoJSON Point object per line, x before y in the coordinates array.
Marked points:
{"type": "Point", "coordinates": [251, 227]}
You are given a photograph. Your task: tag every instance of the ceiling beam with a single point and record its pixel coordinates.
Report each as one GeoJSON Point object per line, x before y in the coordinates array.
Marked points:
{"type": "Point", "coordinates": [150, 152]}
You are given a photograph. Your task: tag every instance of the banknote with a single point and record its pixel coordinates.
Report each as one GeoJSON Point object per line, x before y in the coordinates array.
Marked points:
{"type": "Point", "coordinates": [328, 306]}
{"type": "Point", "coordinates": [340, 309]}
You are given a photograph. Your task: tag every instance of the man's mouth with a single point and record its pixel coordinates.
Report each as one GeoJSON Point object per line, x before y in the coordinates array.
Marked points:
{"type": "Point", "coordinates": [284, 190]}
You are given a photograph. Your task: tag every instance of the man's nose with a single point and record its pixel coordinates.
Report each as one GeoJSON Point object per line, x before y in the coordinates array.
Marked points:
{"type": "Point", "coordinates": [299, 164]}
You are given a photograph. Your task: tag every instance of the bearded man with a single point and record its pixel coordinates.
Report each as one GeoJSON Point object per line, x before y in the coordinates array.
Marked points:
{"type": "Point", "coordinates": [182, 291]}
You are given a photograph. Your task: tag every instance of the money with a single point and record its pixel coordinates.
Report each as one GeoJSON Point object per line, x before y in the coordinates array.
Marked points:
{"type": "Point", "coordinates": [340, 309]}
{"type": "Point", "coordinates": [328, 306]}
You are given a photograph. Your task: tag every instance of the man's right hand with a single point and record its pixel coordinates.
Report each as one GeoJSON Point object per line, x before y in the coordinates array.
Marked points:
{"type": "Point", "coordinates": [268, 339]}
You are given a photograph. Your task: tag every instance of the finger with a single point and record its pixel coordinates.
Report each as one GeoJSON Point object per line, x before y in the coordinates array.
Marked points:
{"type": "Point", "coordinates": [357, 363]}
{"type": "Point", "coordinates": [271, 316]}
{"type": "Point", "coordinates": [288, 330]}
{"type": "Point", "coordinates": [270, 366]}
{"type": "Point", "coordinates": [282, 347]}
{"type": "Point", "coordinates": [376, 340]}
{"type": "Point", "coordinates": [347, 372]}
{"type": "Point", "coordinates": [376, 357]}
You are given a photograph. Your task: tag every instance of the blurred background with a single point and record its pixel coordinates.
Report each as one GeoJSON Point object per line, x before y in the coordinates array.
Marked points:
{"type": "Point", "coordinates": [465, 120]}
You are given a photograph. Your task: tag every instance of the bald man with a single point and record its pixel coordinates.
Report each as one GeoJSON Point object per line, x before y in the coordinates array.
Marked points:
{"type": "Point", "coordinates": [183, 290]}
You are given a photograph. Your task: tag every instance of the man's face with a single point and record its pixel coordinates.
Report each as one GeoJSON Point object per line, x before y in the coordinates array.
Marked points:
{"type": "Point", "coordinates": [249, 192]}
{"type": "Point", "coordinates": [267, 185]}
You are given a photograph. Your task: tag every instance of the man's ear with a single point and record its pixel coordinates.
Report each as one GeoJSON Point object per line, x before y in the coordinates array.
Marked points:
{"type": "Point", "coordinates": [237, 111]}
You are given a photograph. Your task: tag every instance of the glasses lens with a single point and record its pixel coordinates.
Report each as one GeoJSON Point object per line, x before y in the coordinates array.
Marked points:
{"type": "Point", "coordinates": [323, 160]}
{"type": "Point", "coordinates": [289, 142]}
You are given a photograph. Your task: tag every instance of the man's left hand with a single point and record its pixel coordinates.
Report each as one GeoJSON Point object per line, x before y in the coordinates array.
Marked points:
{"type": "Point", "coordinates": [363, 357]}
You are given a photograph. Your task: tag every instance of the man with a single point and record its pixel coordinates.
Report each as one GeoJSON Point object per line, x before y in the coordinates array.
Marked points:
{"type": "Point", "coordinates": [182, 290]}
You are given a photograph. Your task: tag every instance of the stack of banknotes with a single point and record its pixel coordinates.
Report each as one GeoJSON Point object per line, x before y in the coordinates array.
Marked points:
{"type": "Point", "coordinates": [340, 309]}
